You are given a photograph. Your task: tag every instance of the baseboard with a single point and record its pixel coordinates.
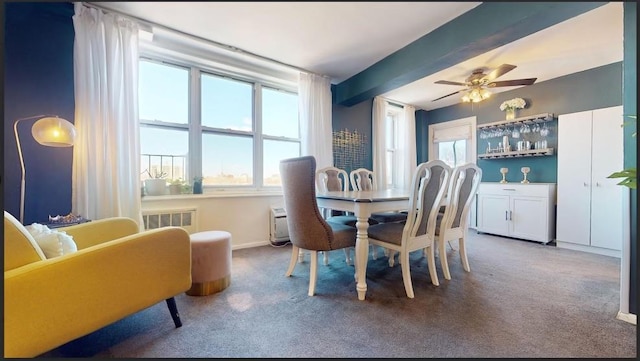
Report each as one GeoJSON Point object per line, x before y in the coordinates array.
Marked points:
{"type": "Point", "coordinates": [590, 249]}
{"type": "Point", "coordinates": [627, 317]}
{"type": "Point", "coordinates": [250, 245]}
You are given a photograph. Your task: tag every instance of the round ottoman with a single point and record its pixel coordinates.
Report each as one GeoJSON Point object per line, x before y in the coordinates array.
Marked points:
{"type": "Point", "coordinates": [210, 262]}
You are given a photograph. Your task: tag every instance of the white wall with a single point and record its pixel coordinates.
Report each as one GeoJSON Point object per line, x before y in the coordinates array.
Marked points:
{"type": "Point", "coordinates": [245, 215]}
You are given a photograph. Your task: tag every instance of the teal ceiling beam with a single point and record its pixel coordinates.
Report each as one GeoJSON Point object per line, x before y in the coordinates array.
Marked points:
{"type": "Point", "coordinates": [479, 30]}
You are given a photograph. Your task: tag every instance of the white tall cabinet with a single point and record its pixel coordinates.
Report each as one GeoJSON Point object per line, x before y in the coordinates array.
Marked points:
{"type": "Point", "coordinates": [590, 206]}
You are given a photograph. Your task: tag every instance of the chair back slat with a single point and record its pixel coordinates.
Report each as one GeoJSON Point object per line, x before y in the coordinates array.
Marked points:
{"type": "Point", "coordinates": [466, 179]}
{"type": "Point", "coordinates": [362, 179]}
{"type": "Point", "coordinates": [428, 187]}
{"type": "Point", "coordinates": [332, 179]}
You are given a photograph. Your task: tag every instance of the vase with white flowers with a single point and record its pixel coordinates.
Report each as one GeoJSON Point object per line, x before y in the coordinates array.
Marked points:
{"type": "Point", "coordinates": [510, 106]}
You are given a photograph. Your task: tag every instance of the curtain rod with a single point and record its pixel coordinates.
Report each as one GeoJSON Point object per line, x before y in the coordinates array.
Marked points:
{"type": "Point", "coordinates": [395, 103]}
{"type": "Point", "coordinates": [215, 43]}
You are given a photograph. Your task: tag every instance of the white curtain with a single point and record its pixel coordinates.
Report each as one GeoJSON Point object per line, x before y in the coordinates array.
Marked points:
{"type": "Point", "coordinates": [407, 147]}
{"type": "Point", "coordinates": [314, 107]}
{"type": "Point", "coordinates": [379, 147]}
{"type": "Point", "coordinates": [106, 155]}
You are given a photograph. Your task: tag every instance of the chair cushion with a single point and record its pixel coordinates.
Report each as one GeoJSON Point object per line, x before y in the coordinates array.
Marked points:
{"type": "Point", "coordinates": [343, 235]}
{"type": "Point", "coordinates": [350, 220]}
{"type": "Point", "coordinates": [385, 217]}
{"type": "Point", "coordinates": [387, 232]}
{"type": "Point", "coordinates": [53, 243]}
{"type": "Point", "coordinates": [19, 247]}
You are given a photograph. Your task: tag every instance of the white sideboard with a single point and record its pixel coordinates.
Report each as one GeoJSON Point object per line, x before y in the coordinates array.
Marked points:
{"type": "Point", "coordinates": [524, 211]}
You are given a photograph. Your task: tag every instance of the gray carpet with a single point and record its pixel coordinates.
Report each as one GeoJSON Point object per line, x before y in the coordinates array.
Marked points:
{"type": "Point", "coordinates": [521, 299]}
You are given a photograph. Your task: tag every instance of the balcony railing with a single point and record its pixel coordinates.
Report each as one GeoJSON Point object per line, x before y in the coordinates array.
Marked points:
{"type": "Point", "coordinates": [172, 166]}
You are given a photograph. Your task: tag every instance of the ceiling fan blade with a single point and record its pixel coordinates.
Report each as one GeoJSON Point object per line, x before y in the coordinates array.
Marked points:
{"type": "Point", "coordinates": [514, 82]}
{"type": "Point", "coordinates": [449, 95]}
{"type": "Point", "coordinates": [499, 71]}
{"type": "Point", "coordinates": [446, 82]}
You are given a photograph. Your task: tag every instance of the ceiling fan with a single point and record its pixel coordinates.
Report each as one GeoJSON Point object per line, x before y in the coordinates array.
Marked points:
{"type": "Point", "coordinates": [478, 82]}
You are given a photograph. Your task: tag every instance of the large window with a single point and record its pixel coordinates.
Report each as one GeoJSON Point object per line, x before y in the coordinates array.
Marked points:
{"type": "Point", "coordinates": [395, 152]}
{"type": "Point", "coordinates": [232, 132]}
{"type": "Point", "coordinates": [453, 142]}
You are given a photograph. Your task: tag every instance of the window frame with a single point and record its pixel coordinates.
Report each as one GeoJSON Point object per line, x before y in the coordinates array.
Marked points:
{"type": "Point", "coordinates": [394, 114]}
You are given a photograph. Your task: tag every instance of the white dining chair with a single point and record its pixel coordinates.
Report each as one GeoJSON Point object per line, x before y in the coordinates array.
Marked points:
{"type": "Point", "coordinates": [453, 223]}
{"type": "Point", "coordinates": [363, 179]}
{"type": "Point", "coordinates": [333, 179]}
{"type": "Point", "coordinates": [418, 232]}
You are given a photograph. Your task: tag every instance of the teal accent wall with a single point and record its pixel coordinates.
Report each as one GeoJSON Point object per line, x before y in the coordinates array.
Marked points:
{"type": "Point", "coordinates": [630, 91]}
{"type": "Point", "coordinates": [357, 117]}
{"type": "Point", "coordinates": [591, 89]}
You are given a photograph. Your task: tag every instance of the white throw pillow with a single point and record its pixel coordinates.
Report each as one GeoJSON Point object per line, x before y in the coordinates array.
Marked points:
{"type": "Point", "coordinates": [53, 243]}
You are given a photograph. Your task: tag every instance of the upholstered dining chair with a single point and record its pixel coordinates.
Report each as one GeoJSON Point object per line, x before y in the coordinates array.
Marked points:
{"type": "Point", "coordinates": [308, 230]}
{"type": "Point", "coordinates": [453, 223]}
{"type": "Point", "coordinates": [418, 232]}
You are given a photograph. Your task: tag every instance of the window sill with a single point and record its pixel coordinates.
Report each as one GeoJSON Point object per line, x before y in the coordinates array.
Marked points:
{"type": "Point", "coordinates": [215, 194]}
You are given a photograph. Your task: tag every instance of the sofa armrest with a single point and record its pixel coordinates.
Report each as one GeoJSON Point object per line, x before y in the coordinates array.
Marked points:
{"type": "Point", "coordinates": [95, 232]}
{"type": "Point", "coordinates": [54, 301]}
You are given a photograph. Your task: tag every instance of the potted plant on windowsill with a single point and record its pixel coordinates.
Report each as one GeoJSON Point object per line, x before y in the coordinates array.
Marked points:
{"type": "Point", "coordinates": [176, 186]}
{"type": "Point", "coordinates": [156, 184]}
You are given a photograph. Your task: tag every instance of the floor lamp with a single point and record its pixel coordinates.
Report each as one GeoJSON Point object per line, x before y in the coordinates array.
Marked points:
{"type": "Point", "coordinates": [50, 131]}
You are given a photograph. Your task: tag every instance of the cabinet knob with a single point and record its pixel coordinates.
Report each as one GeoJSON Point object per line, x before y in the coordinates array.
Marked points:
{"type": "Point", "coordinates": [585, 184]}
{"type": "Point", "coordinates": [597, 184]}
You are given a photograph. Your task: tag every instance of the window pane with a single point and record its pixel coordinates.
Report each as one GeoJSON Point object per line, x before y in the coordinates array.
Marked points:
{"type": "Point", "coordinates": [163, 93]}
{"type": "Point", "coordinates": [454, 153]}
{"type": "Point", "coordinates": [227, 160]}
{"type": "Point", "coordinates": [164, 151]}
{"type": "Point", "coordinates": [226, 104]}
{"type": "Point", "coordinates": [446, 154]}
{"type": "Point", "coordinates": [461, 152]}
{"type": "Point", "coordinates": [389, 132]}
{"type": "Point", "coordinates": [279, 113]}
{"type": "Point", "coordinates": [274, 152]}
{"type": "Point", "coordinates": [390, 162]}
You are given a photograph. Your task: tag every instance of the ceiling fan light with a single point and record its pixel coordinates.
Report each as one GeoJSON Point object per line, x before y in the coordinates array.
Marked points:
{"type": "Point", "coordinates": [466, 99]}
{"type": "Point", "coordinates": [485, 94]}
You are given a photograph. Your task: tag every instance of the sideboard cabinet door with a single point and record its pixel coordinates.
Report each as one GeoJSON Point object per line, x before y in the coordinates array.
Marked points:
{"type": "Point", "coordinates": [524, 211]}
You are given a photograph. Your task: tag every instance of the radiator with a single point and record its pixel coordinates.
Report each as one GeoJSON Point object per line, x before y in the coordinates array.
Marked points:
{"type": "Point", "coordinates": [181, 217]}
{"type": "Point", "coordinates": [279, 231]}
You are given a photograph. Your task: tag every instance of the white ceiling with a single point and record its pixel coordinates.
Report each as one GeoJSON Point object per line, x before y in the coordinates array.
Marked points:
{"type": "Point", "coordinates": [341, 39]}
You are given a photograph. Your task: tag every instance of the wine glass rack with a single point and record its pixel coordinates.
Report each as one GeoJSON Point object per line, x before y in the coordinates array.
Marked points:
{"type": "Point", "coordinates": [528, 120]}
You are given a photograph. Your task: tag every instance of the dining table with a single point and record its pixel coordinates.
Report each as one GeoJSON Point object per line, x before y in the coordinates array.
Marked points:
{"type": "Point", "coordinates": [362, 204]}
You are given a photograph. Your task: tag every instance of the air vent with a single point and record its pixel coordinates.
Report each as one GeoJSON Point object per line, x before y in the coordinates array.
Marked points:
{"type": "Point", "coordinates": [278, 230]}
{"type": "Point", "coordinates": [182, 217]}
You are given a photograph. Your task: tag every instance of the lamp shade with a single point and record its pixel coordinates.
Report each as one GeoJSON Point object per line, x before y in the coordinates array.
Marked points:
{"type": "Point", "coordinates": [54, 132]}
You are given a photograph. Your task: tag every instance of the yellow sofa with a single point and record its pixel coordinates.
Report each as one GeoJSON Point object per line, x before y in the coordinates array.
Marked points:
{"type": "Point", "coordinates": [117, 271]}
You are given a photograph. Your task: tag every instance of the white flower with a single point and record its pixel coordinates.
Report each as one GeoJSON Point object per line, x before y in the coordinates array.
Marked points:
{"type": "Point", "coordinates": [515, 103]}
